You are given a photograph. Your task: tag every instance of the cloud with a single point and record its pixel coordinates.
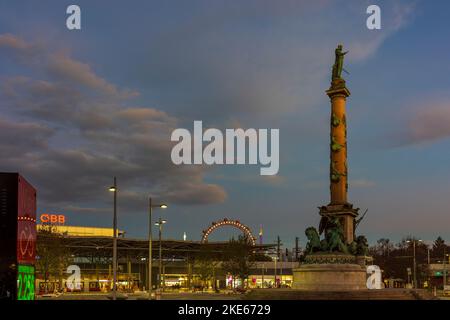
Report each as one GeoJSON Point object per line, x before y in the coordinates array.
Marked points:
{"type": "Point", "coordinates": [24, 52]}
{"type": "Point", "coordinates": [61, 67]}
{"type": "Point", "coordinates": [70, 131]}
{"type": "Point", "coordinates": [430, 123]}
{"type": "Point", "coordinates": [394, 17]}
{"type": "Point", "coordinates": [195, 193]}
{"type": "Point", "coordinates": [259, 59]}
{"type": "Point", "coordinates": [85, 210]}
{"type": "Point", "coordinates": [272, 181]}
{"type": "Point", "coordinates": [12, 42]}
{"type": "Point", "coordinates": [426, 123]}
{"type": "Point", "coordinates": [67, 69]}
{"type": "Point", "coordinates": [40, 99]}
{"type": "Point", "coordinates": [19, 139]}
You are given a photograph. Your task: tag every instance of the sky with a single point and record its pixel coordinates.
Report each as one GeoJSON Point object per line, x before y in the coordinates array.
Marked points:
{"type": "Point", "coordinates": [78, 107]}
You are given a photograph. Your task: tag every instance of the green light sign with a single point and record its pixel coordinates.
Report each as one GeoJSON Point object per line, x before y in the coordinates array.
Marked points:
{"type": "Point", "coordinates": [25, 282]}
{"type": "Point", "coordinates": [438, 274]}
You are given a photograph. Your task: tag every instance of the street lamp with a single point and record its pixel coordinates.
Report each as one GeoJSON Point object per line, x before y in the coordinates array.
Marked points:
{"type": "Point", "coordinates": [414, 260]}
{"type": "Point", "coordinates": [445, 268]}
{"type": "Point", "coordinates": [276, 284]}
{"type": "Point", "coordinates": [150, 242]}
{"type": "Point", "coordinates": [113, 188]}
{"type": "Point", "coordinates": [160, 223]}
{"type": "Point", "coordinates": [262, 277]}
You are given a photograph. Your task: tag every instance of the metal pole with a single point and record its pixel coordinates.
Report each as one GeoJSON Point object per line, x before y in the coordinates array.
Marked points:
{"type": "Point", "coordinates": [262, 279]}
{"type": "Point", "coordinates": [115, 242]}
{"type": "Point", "coordinates": [445, 268]}
{"type": "Point", "coordinates": [189, 273]}
{"type": "Point", "coordinates": [278, 247]}
{"type": "Point", "coordinates": [150, 255]}
{"type": "Point", "coordinates": [414, 266]}
{"type": "Point", "coordinates": [160, 253]}
{"type": "Point", "coordinates": [163, 277]}
{"type": "Point", "coordinates": [276, 285]}
{"type": "Point", "coordinates": [428, 270]}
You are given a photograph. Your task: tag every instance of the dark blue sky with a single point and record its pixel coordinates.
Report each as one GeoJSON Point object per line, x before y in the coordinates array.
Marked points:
{"type": "Point", "coordinates": [78, 107]}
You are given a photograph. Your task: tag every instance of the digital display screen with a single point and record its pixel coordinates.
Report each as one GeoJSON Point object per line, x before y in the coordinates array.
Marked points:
{"type": "Point", "coordinates": [25, 282]}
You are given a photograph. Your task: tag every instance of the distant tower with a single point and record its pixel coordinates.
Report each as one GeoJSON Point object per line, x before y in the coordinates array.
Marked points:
{"type": "Point", "coordinates": [278, 248]}
{"type": "Point", "coordinates": [260, 234]}
{"type": "Point", "coordinates": [184, 236]}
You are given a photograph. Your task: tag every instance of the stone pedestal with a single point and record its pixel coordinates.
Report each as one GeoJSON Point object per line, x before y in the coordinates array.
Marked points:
{"type": "Point", "coordinates": [331, 272]}
{"type": "Point", "coordinates": [329, 277]}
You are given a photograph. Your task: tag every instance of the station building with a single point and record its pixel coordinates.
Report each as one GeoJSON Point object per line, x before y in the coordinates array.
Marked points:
{"type": "Point", "coordinates": [90, 248]}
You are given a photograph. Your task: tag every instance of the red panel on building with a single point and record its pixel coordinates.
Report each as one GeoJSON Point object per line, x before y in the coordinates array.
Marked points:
{"type": "Point", "coordinates": [26, 224]}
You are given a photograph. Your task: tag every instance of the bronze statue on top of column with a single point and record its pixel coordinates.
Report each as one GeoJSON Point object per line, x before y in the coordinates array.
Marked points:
{"type": "Point", "coordinates": [338, 66]}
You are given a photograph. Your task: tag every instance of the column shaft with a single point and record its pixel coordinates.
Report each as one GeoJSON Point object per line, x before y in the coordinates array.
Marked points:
{"type": "Point", "coordinates": [338, 150]}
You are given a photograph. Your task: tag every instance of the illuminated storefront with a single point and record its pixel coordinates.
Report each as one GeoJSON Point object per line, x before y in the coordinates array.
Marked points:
{"type": "Point", "coordinates": [57, 222]}
{"type": "Point", "coordinates": [268, 281]}
{"type": "Point", "coordinates": [77, 231]}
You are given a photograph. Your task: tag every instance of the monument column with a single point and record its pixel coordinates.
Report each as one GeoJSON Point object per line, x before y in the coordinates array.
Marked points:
{"type": "Point", "coordinates": [336, 262]}
{"type": "Point", "coordinates": [338, 207]}
{"type": "Point", "coordinates": [338, 145]}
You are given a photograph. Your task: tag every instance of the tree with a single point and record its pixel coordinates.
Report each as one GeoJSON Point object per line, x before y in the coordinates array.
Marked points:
{"type": "Point", "coordinates": [439, 248]}
{"type": "Point", "coordinates": [206, 265]}
{"type": "Point", "coordinates": [239, 258]}
{"type": "Point", "coordinates": [385, 246]}
{"type": "Point", "coordinates": [52, 256]}
{"type": "Point", "coordinates": [395, 260]}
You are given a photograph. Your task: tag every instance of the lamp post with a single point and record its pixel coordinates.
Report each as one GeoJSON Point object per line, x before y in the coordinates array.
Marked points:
{"type": "Point", "coordinates": [150, 243]}
{"type": "Point", "coordinates": [414, 261]}
{"type": "Point", "coordinates": [113, 188]}
{"type": "Point", "coordinates": [445, 269]}
{"type": "Point", "coordinates": [262, 278]}
{"type": "Point", "coordinates": [276, 284]}
{"type": "Point", "coordinates": [160, 223]}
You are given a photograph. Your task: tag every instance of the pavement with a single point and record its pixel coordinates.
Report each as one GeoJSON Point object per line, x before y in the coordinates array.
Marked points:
{"type": "Point", "coordinates": [141, 296]}
{"type": "Point", "coordinates": [261, 294]}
